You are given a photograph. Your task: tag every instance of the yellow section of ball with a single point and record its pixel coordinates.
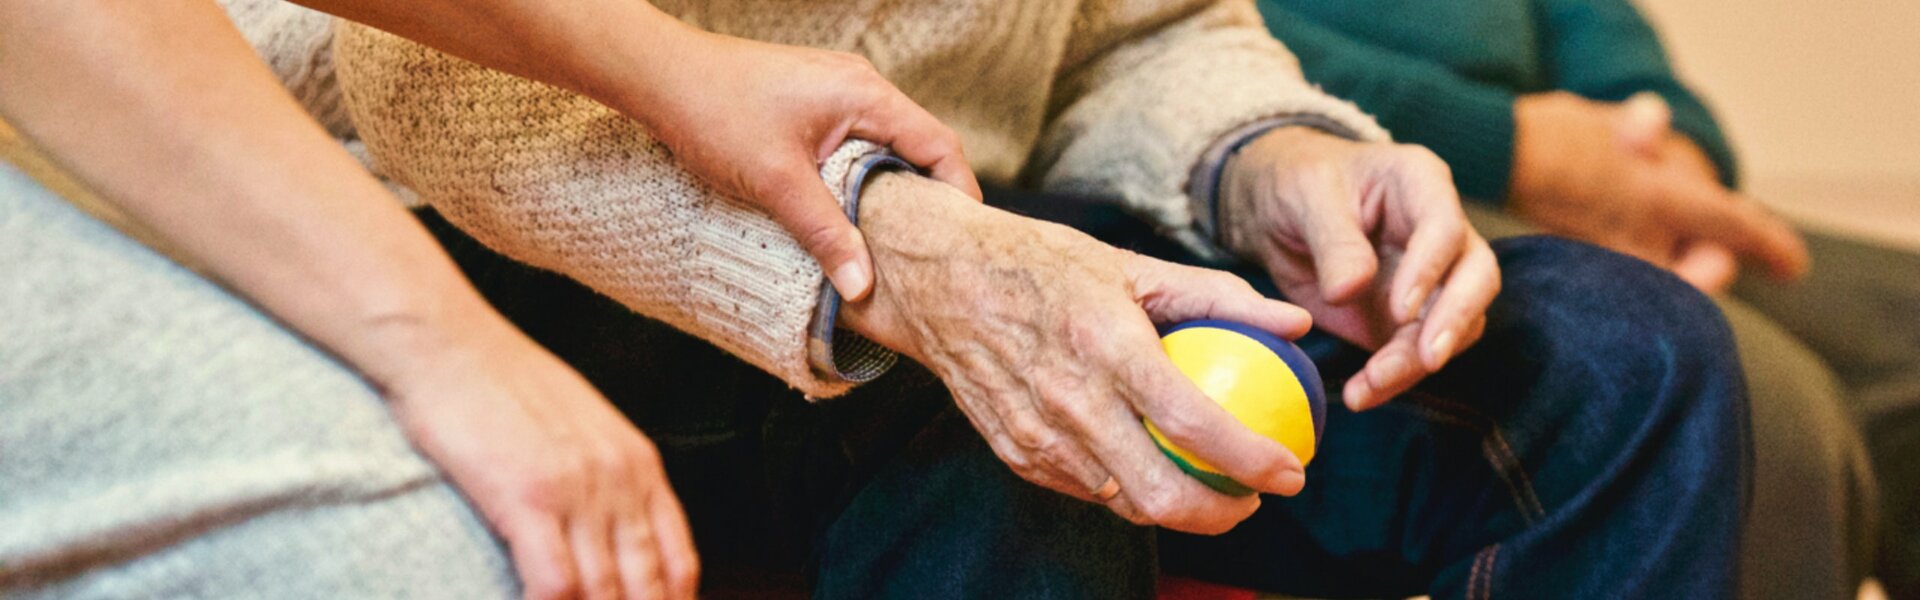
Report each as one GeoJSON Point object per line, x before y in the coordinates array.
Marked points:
{"type": "Point", "coordinates": [1248, 380]}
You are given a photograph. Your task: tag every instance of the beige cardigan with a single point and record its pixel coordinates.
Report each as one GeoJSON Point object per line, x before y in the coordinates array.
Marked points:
{"type": "Point", "coordinates": [1102, 98]}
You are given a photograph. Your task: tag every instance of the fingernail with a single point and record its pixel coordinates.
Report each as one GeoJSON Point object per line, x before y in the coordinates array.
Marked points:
{"type": "Point", "coordinates": [1356, 395]}
{"type": "Point", "coordinates": [1441, 349]}
{"type": "Point", "coordinates": [850, 280]}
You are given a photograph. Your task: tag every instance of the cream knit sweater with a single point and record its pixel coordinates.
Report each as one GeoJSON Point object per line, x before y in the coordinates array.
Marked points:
{"type": "Point", "coordinates": [1101, 98]}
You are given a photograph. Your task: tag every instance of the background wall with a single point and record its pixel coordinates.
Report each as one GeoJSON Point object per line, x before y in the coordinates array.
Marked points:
{"type": "Point", "coordinates": [1822, 100]}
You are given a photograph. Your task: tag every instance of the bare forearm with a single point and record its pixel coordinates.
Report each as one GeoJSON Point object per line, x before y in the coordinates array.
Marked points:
{"type": "Point", "coordinates": [614, 51]}
{"type": "Point", "coordinates": [161, 107]}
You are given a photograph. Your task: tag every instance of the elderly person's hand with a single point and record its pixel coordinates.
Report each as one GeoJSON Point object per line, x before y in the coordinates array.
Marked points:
{"type": "Point", "coordinates": [1371, 239]}
{"type": "Point", "coordinates": [1046, 338]}
{"type": "Point", "coordinates": [1618, 176]}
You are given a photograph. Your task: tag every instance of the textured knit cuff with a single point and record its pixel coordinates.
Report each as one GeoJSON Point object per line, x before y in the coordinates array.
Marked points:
{"type": "Point", "coordinates": [1470, 128]}
{"type": "Point", "coordinates": [1203, 188]}
{"type": "Point", "coordinates": [838, 354]}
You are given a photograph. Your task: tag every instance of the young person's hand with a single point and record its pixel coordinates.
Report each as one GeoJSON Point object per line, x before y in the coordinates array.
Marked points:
{"type": "Point", "coordinates": [1046, 338]}
{"type": "Point", "coordinates": [1371, 239]}
{"type": "Point", "coordinates": [752, 119]}
{"type": "Point", "coordinates": [576, 491]}
{"type": "Point", "coordinates": [171, 117]}
{"type": "Point", "coordinates": [760, 132]}
{"type": "Point", "coordinates": [1618, 176]}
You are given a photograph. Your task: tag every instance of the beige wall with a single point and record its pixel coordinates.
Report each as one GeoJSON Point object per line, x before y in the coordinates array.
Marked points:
{"type": "Point", "coordinates": [1822, 99]}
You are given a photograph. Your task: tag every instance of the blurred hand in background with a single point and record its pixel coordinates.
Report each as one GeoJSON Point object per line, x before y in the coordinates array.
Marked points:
{"type": "Point", "coordinates": [1617, 175]}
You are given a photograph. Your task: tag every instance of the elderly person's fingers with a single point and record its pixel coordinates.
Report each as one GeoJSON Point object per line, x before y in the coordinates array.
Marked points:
{"type": "Point", "coordinates": [1148, 482]}
{"type": "Point", "coordinates": [1470, 288]}
{"type": "Point", "coordinates": [1178, 409]}
{"type": "Point", "coordinates": [1174, 293]}
{"type": "Point", "coordinates": [1343, 258]}
{"type": "Point", "coordinates": [1426, 212]}
{"type": "Point", "coordinates": [1392, 370]}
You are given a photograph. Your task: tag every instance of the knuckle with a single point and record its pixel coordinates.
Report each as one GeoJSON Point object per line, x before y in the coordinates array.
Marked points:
{"type": "Point", "coordinates": [1180, 425]}
{"type": "Point", "coordinates": [605, 584]}
{"type": "Point", "coordinates": [550, 485]}
{"type": "Point", "coordinates": [1159, 505]}
{"type": "Point", "coordinates": [1424, 158]}
{"type": "Point", "coordinates": [820, 237]}
{"type": "Point", "coordinates": [684, 574]}
{"type": "Point", "coordinates": [1030, 435]}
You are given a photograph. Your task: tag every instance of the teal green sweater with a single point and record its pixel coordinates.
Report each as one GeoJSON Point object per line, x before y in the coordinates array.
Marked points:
{"type": "Point", "coordinates": [1445, 74]}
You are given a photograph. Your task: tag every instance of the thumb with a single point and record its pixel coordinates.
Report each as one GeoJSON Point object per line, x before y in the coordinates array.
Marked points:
{"type": "Point", "coordinates": [1642, 122]}
{"type": "Point", "coordinates": [798, 200]}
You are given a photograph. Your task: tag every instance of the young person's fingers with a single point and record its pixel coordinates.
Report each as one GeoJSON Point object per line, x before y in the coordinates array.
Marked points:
{"type": "Point", "coordinates": [637, 556]}
{"type": "Point", "coordinates": [541, 556]}
{"type": "Point", "coordinates": [679, 561]}
{"type": "Point", "coordinates": [591, 536]}
{"type": "Point", "coordinates": [921, 139]}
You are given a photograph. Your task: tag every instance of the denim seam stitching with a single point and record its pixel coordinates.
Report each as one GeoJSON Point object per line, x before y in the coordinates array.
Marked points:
{"type": "Point", "coordinates": [1493, 446]}
{"type": "Point", "coordinates": [1486, 575]}
{"type": "Point", "coordinates": [1473, 574]}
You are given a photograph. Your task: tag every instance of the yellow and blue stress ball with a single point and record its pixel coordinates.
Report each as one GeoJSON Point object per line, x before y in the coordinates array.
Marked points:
{"type": "Point", "coordinates": [1266, 382]}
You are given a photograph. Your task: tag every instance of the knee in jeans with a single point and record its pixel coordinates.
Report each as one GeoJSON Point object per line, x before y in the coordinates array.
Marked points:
{"type": "Point", "coordinates": [1611, 302]}
{"type": "Point", "coordinates": [1618, 320]}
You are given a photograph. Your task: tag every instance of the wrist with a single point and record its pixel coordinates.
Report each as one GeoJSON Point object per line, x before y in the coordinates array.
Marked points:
{"type": "Point", "coordinates": [915, 229]}
{"type": "Point", "coordinates": [1251, 176]}
{"type": "Point", "coordinates": [416, 327]}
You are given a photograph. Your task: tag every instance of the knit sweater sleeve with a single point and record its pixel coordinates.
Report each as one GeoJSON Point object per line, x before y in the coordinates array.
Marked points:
{"type": "Point", "coordinates": [561, 182]}
{"type": "Point", "coordinates": [1606, 50]}
{"type": "Point", "coordinates": [1144, 96]}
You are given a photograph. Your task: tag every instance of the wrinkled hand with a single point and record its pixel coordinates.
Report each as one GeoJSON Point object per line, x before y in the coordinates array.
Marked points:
{"type": "Point", "coordinates": [1046, 338]}
{"type": "Point", "coordinates": [1371, 239]}
{"type": "Point", "coordinates": [755, 120]}
{"type": "Point", "coordinates": [1617, 175]}
{"type": "Point", "coordinates": [578, 494]}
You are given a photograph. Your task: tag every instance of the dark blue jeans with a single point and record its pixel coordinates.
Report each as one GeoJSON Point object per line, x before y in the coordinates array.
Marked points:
{"type": "Point", "coordinates": [1594, 444]}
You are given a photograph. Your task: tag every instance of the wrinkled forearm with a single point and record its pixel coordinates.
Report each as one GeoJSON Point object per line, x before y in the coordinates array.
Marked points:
{"type": "Point", "coordinates": [162, 109]}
